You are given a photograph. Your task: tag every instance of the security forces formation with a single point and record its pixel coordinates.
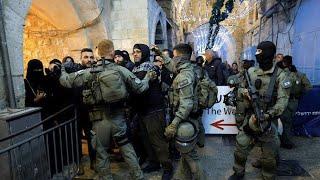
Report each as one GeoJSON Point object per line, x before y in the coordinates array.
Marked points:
{"type": "Point", "coordinates": [261, 94]}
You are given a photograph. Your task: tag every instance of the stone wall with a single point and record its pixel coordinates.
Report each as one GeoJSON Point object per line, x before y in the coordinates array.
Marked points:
{"type": "Point", "coordinates": [129, 23]}
{"type": "Point", "coordinates": [276, 29]}
{"type": "Point", "coordinates": [3, 96]}
{"type": "Point", "coordinates": [14, 15]}
{"type": "Point", "coordinates": [38, 45]}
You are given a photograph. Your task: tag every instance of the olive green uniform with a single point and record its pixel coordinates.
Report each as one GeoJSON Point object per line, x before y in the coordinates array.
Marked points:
{"type": "Point", "coordinates": [249, 134]}
{"type": "Point", "coordinates": [108, 118]}
{"type": "Point", "coordinates": [300, 84]}
{"type": "Point", "coordinates": [184, 103]}
{"type": "Point", "coordinates": [242, 103]}
{"type": "Point", "coordinates": [200, 73]}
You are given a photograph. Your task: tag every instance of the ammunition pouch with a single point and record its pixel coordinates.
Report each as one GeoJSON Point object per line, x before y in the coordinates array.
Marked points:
{"type": "Point", "coordinates": [96, 114]}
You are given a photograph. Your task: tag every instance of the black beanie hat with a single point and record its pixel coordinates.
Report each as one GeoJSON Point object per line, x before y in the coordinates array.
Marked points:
{"type": "Point", "coordinates": [118, 52]}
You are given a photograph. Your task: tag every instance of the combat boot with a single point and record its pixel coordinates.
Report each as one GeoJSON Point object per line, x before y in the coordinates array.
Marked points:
{"type": "Point", "coordinates": [151, 167]}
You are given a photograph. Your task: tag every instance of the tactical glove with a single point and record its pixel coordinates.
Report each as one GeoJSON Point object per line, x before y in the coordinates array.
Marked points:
{"type": "Point", "coordinates": [171, 130]}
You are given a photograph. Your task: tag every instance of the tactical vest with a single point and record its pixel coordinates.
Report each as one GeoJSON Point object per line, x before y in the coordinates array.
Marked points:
{"type": "Point", "coordinates": [173, 92]}
{"type": "Point", "coordinates": [106, 86]}
{"type": "Point", "coordinates": [205, 89]}
{"type": "Point", "coordinates": [261, 83]}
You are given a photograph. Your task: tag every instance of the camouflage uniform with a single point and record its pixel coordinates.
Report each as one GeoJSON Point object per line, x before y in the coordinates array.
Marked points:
{"type": "Point", "coordinates": [184, 103]}
{"type": "Point", "coordinates": [250, 134]}
{"type": "Point", "coordinates": [108, 119]}
{"type": "Point", "coordinates": [242, 104]}
{"type": "Point", "coordinates": [200, 73]}
{"type": "Point", "coordinates": [300, 84]}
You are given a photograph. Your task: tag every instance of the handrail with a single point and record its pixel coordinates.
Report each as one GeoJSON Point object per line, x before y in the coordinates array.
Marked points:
{"type": "Point", "coordinates": [34, 137]}
{"type": "Point", "coordinates": [36, 125]}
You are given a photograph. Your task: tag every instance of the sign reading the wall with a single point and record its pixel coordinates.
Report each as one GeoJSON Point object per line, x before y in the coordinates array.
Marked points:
{"type": "Point", "coordinates": [220, 119]}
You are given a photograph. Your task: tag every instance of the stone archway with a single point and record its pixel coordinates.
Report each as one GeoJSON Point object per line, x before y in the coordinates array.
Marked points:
{"type": "Point", "coordinates": [225, 43]}
{"type": "Point", "coordinates": [34, 27]}
{"type": "Point", "coordinates": [61, 28]}
{"type": "Point", "coordinates": [158, 29]}
{"type": "Point", "coordinates": [159, 40]}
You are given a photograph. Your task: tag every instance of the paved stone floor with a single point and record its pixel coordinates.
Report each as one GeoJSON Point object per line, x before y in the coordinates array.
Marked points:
{"type": "Point", "coordinates": [217, 160]}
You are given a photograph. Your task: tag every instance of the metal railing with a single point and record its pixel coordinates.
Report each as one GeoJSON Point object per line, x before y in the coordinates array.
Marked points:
{"type": "Point", "coordinates": [52, 153]}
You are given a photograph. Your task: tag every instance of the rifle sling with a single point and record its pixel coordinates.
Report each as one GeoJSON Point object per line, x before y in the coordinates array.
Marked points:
{"type": "Point", "coordinates": [268, 96]}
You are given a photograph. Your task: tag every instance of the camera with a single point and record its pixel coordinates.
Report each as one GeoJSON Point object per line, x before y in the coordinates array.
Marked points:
{"type": "Point", "coordinates": [230, 99]}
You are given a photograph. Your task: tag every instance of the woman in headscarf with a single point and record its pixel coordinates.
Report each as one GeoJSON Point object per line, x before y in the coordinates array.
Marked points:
{"type": "Point", "coordinates": [34, 84]}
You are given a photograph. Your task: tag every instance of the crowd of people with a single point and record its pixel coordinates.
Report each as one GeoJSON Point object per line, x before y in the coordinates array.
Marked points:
{"type": "Point", "coordinates": [151, 107]}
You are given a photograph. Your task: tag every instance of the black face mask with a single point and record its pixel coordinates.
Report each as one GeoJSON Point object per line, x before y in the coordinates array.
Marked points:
{"type": "Point", "coordinates": [265, 62]}
{"type": "Point", "coordinates": [280, 65]}
{"type": "Point", "coordinates": [265, 58]}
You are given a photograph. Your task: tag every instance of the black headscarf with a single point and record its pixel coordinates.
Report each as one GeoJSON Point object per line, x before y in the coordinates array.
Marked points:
{"type": "Point", "coordinates": [35, 74]}
{"type": "Point", "coordinates": [145, 53]}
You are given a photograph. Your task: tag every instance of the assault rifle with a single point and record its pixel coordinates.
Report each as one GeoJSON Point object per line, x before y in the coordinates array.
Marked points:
{"type": "Point", "coordinates": [255, 100]}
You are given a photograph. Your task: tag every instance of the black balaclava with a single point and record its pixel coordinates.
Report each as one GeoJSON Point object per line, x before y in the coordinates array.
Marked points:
{"type": "Point", "coordinates": [265, 57]}
{"type": "Point", "coordinates": [35, 74]}
{"type": "Point", "coordinates": [280, 65]}
{"type": "Point", "coordinates": [145, 53]}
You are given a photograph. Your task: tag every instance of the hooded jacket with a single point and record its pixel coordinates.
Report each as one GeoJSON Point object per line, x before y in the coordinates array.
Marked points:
{"type": "Point", "coordinates": [152, 99]}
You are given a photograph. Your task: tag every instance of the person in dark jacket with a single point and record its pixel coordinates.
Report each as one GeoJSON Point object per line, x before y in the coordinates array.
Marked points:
{"type": "Point", "coordinates": [34, 84]}
{"type": "Point", "coordinates": [57, 98]}
{"type": "Point", "coordinates": [126, 57]}
{"type": "Point", "coordinates": [150, 109]}
{"type": "Point", "coordinates": [122, 59]}
{"type": "Point", "coordinates": [215, 68]}
{"type": "Point", "coordinates": [86, 58]}
{"type": "Point", "coordinates": [234, 69]}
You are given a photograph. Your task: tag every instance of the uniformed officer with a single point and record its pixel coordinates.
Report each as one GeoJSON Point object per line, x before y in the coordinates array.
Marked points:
{"type": "Point", "coordinates": [300, 85]}
{"type": "Point", "coordinates": [184, 104]}
{"type": "Point", "coordinates": [200, 74]}
{"type": "Point", "coordinates": [273, 89]}
{"type": "Point", "coordinates": [107, 106]}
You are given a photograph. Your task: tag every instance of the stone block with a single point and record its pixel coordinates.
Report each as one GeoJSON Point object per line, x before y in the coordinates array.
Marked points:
{"type": "Point", "coordinates": [19, 90]}
{"type": "Point", "coordinates": [16, 57]}
{"type": "Point", "coordinates": [20, 7]}
{"type": "Point", "coordinates": [128, 44]}
{"type": "Point", "coordinates": [117, 44]}
{"type": "Point", "coordinates": [117, 5]}
{"type": "Point", "coordinates": [116, 34]}
{"type": "Point", "coordinates": [13, 24]}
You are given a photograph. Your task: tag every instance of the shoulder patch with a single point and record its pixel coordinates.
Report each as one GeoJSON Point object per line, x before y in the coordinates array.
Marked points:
{"type": "Point", "coordinates": [286, 84]}
{"type": "Point", "coordinates": [183, 83]}
{"type": "Point", "coordinates": [80, 72]}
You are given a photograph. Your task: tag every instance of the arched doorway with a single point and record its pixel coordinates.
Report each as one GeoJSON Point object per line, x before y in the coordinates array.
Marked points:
{"type": "Point", "coordinates": [159, 39]}
{"type": "Point", "coordinates": [60, 28]}
{"type": "Point", "coordinates": [224, 44]}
